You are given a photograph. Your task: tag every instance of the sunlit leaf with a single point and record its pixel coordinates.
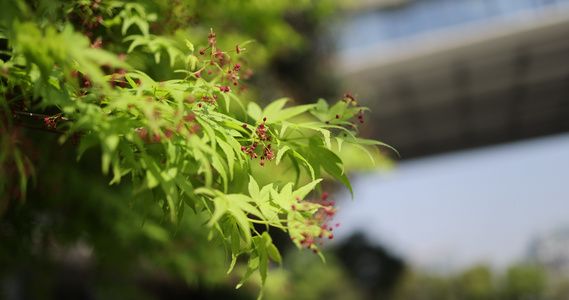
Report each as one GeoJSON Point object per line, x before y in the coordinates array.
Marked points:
{"type": "Point", "coordinates": [273, 110]}
{"type": "Point", "coordinates": [254, 189]}
{"type": "Point", "coordinates": [254, 110]}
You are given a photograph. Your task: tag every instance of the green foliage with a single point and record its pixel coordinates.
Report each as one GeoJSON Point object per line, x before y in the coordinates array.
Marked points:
{"type": "Point", "coordinates": [170, 122]}
{"type": "Point", "coordinates": [307, 278]}
{"type": "Point", "coordinates": [476, 283]}
{"type": "Point", "coordinates": [519, 281]}
{"type": "Point", "coordinates": [524, 280]}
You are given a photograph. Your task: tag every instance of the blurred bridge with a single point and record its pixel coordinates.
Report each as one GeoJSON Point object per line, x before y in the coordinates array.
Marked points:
{"type": "Point", "coordinates": [445, 75]}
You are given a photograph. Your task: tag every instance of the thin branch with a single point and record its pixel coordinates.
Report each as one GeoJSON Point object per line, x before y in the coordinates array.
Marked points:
{"type": "Point", "coordinates": [34, 115]}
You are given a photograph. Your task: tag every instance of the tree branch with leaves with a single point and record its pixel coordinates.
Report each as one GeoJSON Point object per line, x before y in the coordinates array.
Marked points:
{"type": "Point", "coordinates": [179, 130]}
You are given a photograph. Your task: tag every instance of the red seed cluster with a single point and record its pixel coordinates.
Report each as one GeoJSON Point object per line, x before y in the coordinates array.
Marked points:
{"type": "Point", "coordinates": [221, 64]}
{"type": "Point", "coordinates": [87, 17]}
{"type": "Point", "coordinates": [223, 89]}
{"type": "Point", "coordinates": [210, 100]}
{"type": "Point", "coordinates": [261, 135]}
{"type": "Point", "coordinates": [318, 226]}
{"type": "Point", "coordinates": [51, 122]}
{"type": "Point", "coordinates": [211, 38]}
{"type": "Point", "coordinates": [268, 153]}
{"type": "Point", "coordinates": [349, 99]}
{"type": "Point", "coordinates": [262, 132]}
{"type": "Point", "coordinates": [75, 141]}
{"type": "Point", "coordinates": [250, 150]}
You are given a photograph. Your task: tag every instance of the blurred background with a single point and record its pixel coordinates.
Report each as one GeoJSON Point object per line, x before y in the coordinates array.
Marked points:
{"type": "Point", "coordinates": [474, 94]}
{"type": "Point", "coordinates": [475, 97]}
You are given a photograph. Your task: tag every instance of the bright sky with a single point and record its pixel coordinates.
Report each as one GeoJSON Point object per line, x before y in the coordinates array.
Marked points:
{"type": "Point", "coordinates": [455, 210]}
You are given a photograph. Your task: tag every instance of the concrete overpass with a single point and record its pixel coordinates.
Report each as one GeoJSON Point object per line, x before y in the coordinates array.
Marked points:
{"type": "Point", "coordinates": [484, 82]}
